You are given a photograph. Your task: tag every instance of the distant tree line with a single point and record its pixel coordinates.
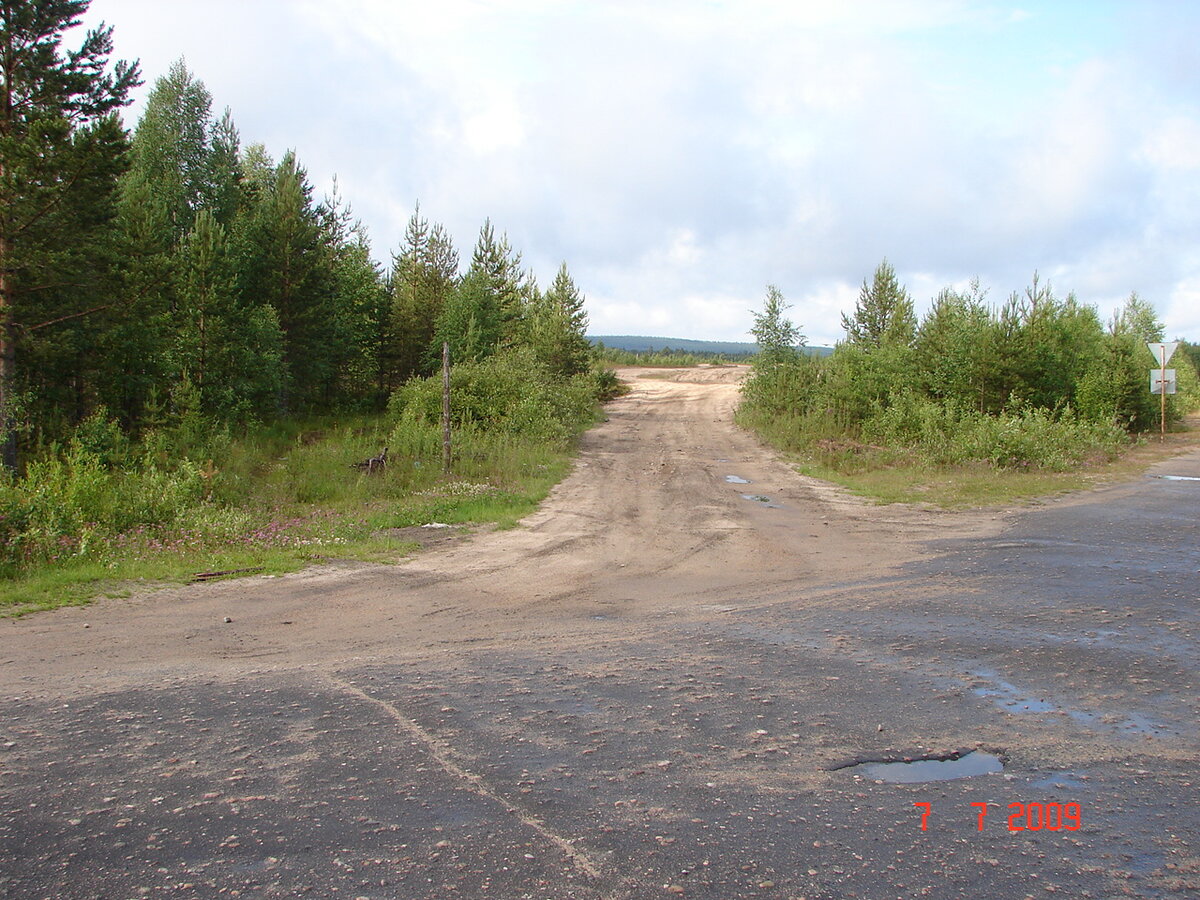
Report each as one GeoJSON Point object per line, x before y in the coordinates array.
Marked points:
{"type": "Point", "coordinates": [174, 273]}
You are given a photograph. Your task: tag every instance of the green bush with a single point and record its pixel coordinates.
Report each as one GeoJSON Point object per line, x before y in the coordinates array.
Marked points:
{"type": "Point", "coordinates": [509, 392]}
{"type": "Point", "coordinates": [1024, 437]}
{"type": "Point", "coordinates": [68, 505]}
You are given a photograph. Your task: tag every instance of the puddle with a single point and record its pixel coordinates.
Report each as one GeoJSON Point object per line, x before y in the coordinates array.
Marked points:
{"type": "Point", "coordinates": [737, 479]}
{"type": "Point", "coordinates": [969, 764]}
{"type": "Point", "coordinates": [759, 498]}
{"type": "Point", "coordinates": [1062, 781]}
{"type": "Point", "coordinates": [1178, 477]}
{"type": "Point", "coordinates": [1010, 698]}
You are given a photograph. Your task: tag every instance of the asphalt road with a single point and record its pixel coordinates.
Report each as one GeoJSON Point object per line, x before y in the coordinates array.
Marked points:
{"type": "Point", "coordinates": [684, 731]}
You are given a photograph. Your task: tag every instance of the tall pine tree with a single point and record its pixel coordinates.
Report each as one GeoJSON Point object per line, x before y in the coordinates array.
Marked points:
{"type": "Point", "coordinates": [61, 151]}
{"type": "Point", "coordinates": [557, 327]}
{"type": "Point", "coordinates": [884, 312]}
{"type": "Point", "coordinates": [173, 148]}
{"type": "Point", "coordinates": [423, 277]}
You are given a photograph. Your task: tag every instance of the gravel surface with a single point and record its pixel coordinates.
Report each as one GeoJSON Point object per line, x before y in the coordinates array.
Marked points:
{"type": "Point", "coordinates": [664, 683]}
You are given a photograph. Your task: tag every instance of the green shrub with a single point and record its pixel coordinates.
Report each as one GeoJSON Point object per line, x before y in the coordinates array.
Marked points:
{"type": "Point", "coordinates": [509, 392]}
{"type": "Point", "coordinates": [1021, 438]}
{"type": "Point", "coordinates": [67, 505]}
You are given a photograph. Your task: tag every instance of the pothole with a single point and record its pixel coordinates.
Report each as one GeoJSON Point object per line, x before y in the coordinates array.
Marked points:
{"type": "Point", "coordinates": [759, 498]}
{"type": "Point", "coordinates": [933, 768]}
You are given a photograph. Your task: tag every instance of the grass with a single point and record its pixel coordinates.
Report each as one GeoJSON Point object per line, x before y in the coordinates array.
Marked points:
{"type": "Point", "coordinates": [895, 475]}
{"type": "Point", "coordinates": [284, 498]}
{"type": "Point", "coordinates": [948, 488]}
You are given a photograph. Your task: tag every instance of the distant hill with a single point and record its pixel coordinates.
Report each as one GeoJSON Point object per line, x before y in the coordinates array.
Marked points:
{"type": "Point", "coordinates": [642, 344]}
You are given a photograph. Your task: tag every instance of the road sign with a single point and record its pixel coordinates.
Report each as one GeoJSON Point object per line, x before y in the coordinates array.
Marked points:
{"type": "Point", "coordinates": [1160, 378]}
{"type": "Point", "coordinates": [1162, 351]}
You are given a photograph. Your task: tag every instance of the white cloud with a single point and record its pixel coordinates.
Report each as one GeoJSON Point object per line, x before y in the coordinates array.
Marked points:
{"type": "Point", "coordinates": [679, 156]}
{"type": "Point", "coordinates": [1174, 144]}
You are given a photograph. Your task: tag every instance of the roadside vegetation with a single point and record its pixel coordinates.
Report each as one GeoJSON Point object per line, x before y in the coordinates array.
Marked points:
{"type": "Point", "coordinates": [975, 403]}
{"type": "Point", "coordinates": [194, 350]}
{"type": "Point", "coordinates": [104, 514]}
{"type": "Point", "coordinates": [665, 358]}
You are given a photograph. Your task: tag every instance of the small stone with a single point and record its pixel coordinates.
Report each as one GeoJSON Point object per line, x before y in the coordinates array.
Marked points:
{"type": "Point", "coordinates": [228, 620]}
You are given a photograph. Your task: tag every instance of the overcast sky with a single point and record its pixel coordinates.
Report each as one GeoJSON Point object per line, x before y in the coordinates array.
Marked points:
{"type": "Point", "coordinates": [680, 156]}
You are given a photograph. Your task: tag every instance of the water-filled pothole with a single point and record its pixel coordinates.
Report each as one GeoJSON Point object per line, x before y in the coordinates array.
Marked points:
{"type": "Point", "coordinates": [737, 479]}
{"type": "Point", "coordinates": [1178, 477]}
{"type": "Point", "coordinates": [759, 498]}
{"type": "Point", "coordinates": [964, 765]}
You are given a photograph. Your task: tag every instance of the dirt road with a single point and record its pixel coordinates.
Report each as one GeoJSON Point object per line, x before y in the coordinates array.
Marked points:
{"type": "Point", "coordinates": [648, 689]}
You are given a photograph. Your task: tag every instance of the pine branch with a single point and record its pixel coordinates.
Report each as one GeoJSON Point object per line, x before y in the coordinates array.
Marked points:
{"type": "Point", "coordinates": [75, 315]}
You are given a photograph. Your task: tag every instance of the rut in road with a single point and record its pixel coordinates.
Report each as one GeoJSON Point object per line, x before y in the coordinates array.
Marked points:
{"type": "Point", "coordinates": [649, 511]}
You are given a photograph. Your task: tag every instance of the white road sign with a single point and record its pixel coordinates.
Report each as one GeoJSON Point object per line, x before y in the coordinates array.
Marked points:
{"type": "Point", "coordinates": [1162, 352]}
{"type": "Point", "coordinates": [1157, 381]}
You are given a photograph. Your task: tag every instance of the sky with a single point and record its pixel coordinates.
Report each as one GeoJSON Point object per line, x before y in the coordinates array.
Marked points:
{"type": "Point", "coordinates": [681, 156]}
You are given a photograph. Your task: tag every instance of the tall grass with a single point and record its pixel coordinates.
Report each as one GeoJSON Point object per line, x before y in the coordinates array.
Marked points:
{"type": "Point", "coordinates": [103, 510]}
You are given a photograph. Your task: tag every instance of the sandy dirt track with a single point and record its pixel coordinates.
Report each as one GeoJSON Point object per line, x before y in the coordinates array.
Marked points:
{"type": "Point", "coordinates": [646, 521]}
{"type": "Point", "coordinates": [653, 687]}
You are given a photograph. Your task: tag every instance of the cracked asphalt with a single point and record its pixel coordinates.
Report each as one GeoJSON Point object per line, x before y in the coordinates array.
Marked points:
{"type": "Point", "coordinates": [654, 687]}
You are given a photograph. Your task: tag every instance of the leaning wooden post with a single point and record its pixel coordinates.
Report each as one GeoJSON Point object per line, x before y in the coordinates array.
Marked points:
{"type": "Point", "coordinates": [446, 408]}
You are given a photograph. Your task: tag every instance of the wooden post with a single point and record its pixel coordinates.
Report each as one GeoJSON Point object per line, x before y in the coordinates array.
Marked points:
{"type": "Point", "coordinates": [1162, 434]}
{"type": "Point", "coordinates": [446, 457]}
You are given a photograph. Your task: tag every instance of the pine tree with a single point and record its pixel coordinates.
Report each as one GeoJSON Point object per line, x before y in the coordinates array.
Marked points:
{"type": "Point", "coordinates": [500, 267]}
{"type": "Point", "coordinates": [224, 170]}
{"type": "Point", "coordinates": [61, 151]}
{"type": "Point", "coordinates": [557, 327]}
{"type": "Point", "coordinates": [229, 349]}
{"type": "Point", "coordinates": [470, 322]}
{"type": "Point", "coordinates": [951, 346]}
{"type": "Point", "coordinates": [357, 301]}
{"type": "Point", "coordinates": [137, 346]}
{"type": "Point", "coordinates": [423, 276]}
{"type": "Point", "coordinates": [884, 312]}
{"type": "Point", "coordinates": [776, 335]}
{"type": "Point", "coordinates": [283, 261]}
{"type": "Point", "coordinates": [173, 148]}
{"type": "Point", "coordinates": [1138, 318]}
